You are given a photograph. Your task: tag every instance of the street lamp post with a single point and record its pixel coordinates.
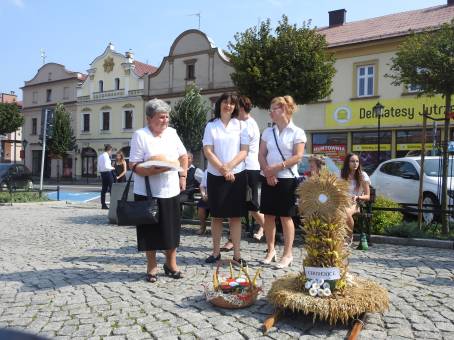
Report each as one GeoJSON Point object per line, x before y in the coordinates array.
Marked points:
{"type": "Point", "coordinates": [24, 144]}
{"type": "Point", "coordinates": [378, 111]}
{"type": "Point", "coordinates": [76, 151]}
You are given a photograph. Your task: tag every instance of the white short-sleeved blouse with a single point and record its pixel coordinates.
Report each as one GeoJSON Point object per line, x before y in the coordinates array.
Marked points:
{"type": "Point", "coordinates": [354, 191]}
{"type": "Point", "coordinates": [252, 159]}
{"type": "Point", "coordinates": [226, 142]}
{"type": "Point", "coordinates": [145, 145]}
{"type": "Point", "coordinates": [289, 136]}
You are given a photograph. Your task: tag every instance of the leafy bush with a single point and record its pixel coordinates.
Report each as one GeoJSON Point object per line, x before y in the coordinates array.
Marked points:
{"type": "Point", "coordinates": [406, 229]}
{"type": "Point", "coordinates": [381, 220]}
{"type": "Point", "coordinates": [22, 197]}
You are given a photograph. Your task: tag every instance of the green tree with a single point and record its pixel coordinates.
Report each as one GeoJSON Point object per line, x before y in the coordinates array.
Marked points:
{"type": "Point", "coordinates": [188, 117]}
{"type": "Point", "coordinates": [10, 118]}
{"type": "Point", "coordinates": [294, 60]}
{"type": "Point", "coordinates": [427, 60]}
{"type": "Point", "coordinates": [62, 139]}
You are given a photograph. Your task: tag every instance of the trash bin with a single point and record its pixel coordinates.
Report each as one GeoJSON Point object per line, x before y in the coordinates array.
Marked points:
{"type": "Point", "coordinates": [115, 195]}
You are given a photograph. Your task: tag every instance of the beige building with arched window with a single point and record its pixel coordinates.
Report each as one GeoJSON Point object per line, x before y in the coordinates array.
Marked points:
{"type": "Point", "coordinates": [109, 106]}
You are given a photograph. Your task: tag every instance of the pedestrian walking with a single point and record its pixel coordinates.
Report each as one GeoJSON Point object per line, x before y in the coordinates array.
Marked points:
{"type": "Point", "coordinates": [105, 168]}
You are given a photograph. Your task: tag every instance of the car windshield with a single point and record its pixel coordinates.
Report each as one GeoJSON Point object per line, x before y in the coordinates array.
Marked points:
{"type": "Point", "coordinates": [303, 166]}
{"type": "Point", "coordinates": [433, 168]}
{"type": "Point", "coordinates": [4, 168]}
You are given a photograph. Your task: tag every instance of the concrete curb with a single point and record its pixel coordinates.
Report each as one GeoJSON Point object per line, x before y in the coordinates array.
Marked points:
{"type": "Point", "coordinates": [417, 242]}
{"type": "Point", "coordinates": [32, 203]}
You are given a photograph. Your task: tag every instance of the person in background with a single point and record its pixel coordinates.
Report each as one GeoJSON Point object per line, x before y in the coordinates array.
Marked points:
{"type": "Point", "coordinates": [105, 168]}
{"type": "Point", "coordinates": [202, 206]}
{"type": "Point", "coordinates": [279, 176]}
{"type": "Point", "coordinates": [120, 167]}
{"type": "Point", "coordinates": [158, 140]}
{"type": "Point", "coordinates": [192, 185]}
{"type": "Point", "coordinates": [359, 187]}
{"type": "Point", "coordinates": [225, 144]}
{"type": "Point", "coordinates": [252, 163]}
{"type": "Point", "coordinates": [316, 164]}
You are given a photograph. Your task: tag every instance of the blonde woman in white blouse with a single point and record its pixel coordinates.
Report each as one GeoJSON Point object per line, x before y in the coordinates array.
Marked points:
{"type": "Point", "coordinates": [279, 176]}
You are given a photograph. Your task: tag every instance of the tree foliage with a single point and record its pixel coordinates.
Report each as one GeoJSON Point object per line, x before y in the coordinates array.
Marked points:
{"type": "Point", "coordinates": [294, 60]}
{"type": "Point", "coordinates": [10, 118]}
{"type": "Point", "coordinates": [188, 117]}
{"type": "Point", "coordinates": [426, 60]}
{"type": "Point", "coordinates": [62, 139]}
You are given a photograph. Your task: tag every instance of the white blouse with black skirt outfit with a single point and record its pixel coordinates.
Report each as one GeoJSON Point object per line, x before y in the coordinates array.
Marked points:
{"type": "Point", "coordinates": [226, 199]}
{"type": "Point", "coordinates": [165, 186]}
{"type": "Point", "coordinates": [252, 163]}
{"type": "Point", "coordinates": [280, 199]}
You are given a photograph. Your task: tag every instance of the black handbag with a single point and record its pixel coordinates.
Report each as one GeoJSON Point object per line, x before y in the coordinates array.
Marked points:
{"type": "Point", "coordinates": [137, 212]}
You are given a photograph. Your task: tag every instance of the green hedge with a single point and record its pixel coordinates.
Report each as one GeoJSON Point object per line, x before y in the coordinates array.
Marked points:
{"type": "Point", "coordinates": [22, 197]}
{"type": "Point", "coordinates": [382, 220]}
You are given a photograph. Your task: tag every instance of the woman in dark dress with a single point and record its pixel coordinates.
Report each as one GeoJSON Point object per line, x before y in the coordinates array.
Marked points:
{"type": "Point", "coordinates": [158, 140]}
{"type": "Point", "coordinates": [120, 167]}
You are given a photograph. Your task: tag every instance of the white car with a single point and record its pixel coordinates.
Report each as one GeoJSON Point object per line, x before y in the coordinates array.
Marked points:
{"type": "Point", "coordinates": [398, 179]}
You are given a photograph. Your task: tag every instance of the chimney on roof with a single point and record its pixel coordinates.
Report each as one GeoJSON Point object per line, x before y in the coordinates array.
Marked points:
{"type": "Point", "coordinates": [337, 17]}
{"type": "Point", "coordinates": [450, 2]}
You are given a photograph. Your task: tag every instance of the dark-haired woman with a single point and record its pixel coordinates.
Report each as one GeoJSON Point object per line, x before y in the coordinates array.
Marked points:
{"type": "Point", "coordinates": [120, 167]}
{"type": "Point", "coordinates": [225, 144]}
{"type": "Point", "coordinates": [252, 163]}
{"type": "Point", "coordinates": [359, 186]}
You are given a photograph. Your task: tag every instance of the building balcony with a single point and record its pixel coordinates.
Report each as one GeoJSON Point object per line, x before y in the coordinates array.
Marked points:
{"type": "Point", "coordinates": [135, 92]}
{"type": "Point", "coordinates": [108, 94]}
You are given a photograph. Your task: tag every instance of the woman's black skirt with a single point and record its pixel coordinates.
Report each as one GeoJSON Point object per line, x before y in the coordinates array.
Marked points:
{"type": "Point", "coordinates": [164, 235]}
{"type": "Point", "coordinates": [280, 199]}
{"type": "Point", "coordinates": [253, 181]}
{"type": "Point", "coordinates": [227, 199]}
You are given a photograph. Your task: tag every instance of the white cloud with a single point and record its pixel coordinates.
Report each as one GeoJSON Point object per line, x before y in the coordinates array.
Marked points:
{"type": "Point", "coordinates": [18, 3]}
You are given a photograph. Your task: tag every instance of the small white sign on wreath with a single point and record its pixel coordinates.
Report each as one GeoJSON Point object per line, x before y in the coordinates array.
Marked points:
{"type": "Point", "coordinates": [329, 273]}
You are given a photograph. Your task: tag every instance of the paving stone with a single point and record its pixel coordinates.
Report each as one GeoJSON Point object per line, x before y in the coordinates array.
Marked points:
{"type": "Point", "coordinates": [89, 284]}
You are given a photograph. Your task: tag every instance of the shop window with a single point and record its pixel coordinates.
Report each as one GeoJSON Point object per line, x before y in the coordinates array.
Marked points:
{"type": "Point", "coordinates": [365, 145]}
{"type": "Point", "coordinates": [333, 145]}
{"type": "Point", "coordinates": [408, 142]}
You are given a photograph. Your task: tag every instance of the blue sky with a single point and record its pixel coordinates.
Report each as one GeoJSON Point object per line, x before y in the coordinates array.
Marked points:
{"type": "Point", "coordinates": [73, 32]}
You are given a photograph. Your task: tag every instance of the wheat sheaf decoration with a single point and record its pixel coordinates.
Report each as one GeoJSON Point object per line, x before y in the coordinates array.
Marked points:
{"type": "Point", "coordinates": [325, 196]}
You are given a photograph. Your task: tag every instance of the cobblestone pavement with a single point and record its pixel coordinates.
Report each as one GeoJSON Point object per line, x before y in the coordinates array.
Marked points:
{"type": "Point", "coordinates": [66, 273]}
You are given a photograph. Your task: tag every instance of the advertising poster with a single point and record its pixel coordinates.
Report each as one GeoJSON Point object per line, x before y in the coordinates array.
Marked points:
{"type": "Point", "coordinates": [335, 152]}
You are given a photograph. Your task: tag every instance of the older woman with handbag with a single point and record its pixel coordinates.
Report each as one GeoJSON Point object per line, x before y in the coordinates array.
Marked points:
{"type": "Point", "coordinates": [158, 141]}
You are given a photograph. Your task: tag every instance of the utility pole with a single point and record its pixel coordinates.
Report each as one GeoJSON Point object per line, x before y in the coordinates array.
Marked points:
{"type": "Point", "coordinates": [44, 151]}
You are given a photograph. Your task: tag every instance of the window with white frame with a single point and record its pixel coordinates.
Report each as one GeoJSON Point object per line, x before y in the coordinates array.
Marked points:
{"type": "Point", "coordinates": [66, 93]}
{"type": "Point", "coordinates": [127, 119]}
{"type": "Point", "coordinates": [85, 122]}
{"type": "Point", "coordinates": [365, 80]}
{"type": "Point", "coordinates": [105, 121]}
{"type": "Point", "coordinates": [100, 86]}
{"type": "Point", "coordinates": [117, 83]}
{"type": "Point", "coordinates": [412, 88]}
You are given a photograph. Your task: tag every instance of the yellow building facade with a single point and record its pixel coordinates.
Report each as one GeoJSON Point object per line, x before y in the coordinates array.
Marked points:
{"type": "Point", "coordinates": [109, 106]}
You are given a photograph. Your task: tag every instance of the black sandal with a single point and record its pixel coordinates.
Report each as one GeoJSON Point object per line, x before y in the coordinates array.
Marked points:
{"type": "Point", "coordinates": [152, 278]}
{"type": "Point", "coordinates": [173, 274]}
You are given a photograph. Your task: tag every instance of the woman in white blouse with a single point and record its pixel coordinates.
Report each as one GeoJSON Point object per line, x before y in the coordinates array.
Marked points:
{"type": "Point", "coordinates": [279, 176]}
{"type": "Point", "coordinates": [158, 140]}
{"type": "Point", "coordinates": [359, 187]}
{"type": "Point", "coordinates": [225, 144]}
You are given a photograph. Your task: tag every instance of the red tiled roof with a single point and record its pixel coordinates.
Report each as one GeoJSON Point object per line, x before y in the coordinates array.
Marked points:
{"type": "Point", "coordinates": [141, 68]}
{"type": "Point", "coordinates": [388, 26]}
